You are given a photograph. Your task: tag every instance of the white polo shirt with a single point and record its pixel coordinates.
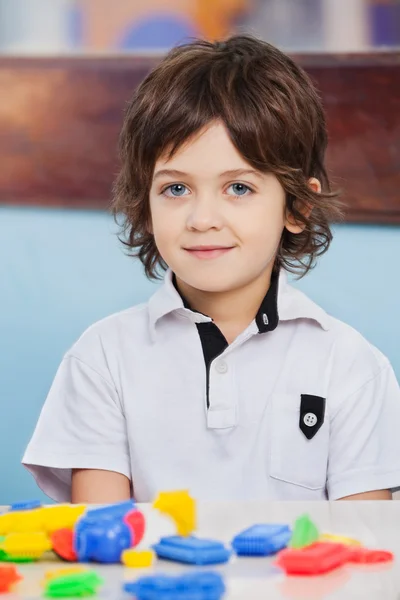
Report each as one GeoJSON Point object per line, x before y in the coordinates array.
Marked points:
{"type": "Point", "coordinates": [303, 410]}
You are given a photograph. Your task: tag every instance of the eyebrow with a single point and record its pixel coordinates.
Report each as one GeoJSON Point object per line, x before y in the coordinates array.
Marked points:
{"type": "Point", "coordinates": [231, 173]}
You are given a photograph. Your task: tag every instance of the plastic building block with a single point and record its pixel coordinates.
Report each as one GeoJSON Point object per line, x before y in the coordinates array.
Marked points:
{"type": "Point", "coordinates": [191, 586]}
{"type": "Point", "coordinates": [21, 546]}
{"type": "Point", "coordinates": [305, 533]}
{"type": "Point", "coordinates": [9, 576]}
{"type": "Point", "coordinates": [192, 550]}
{"type": "Point", "coordinates": [103, 533]}
{"type": "Point", "coordinates": [27, 505]}
{"type": "Point", "coordinates": [181, 507]}
{"type": "Point", "coordinates": [120, 509]}
{"type": "Point", "coordinates": [63, 544]}
{"type": "Point", "coordinates": [77, 584]}
{"type": "Point", "coordinates": [46, 519]}
{"type": "Point", "coordinates": [261, 540]}
{"type": "Point", "coordinates": [24, 521]}
{"type": "Point", "coordinates": [316, 559]}
{"type": "Point", "coordinates": [63, 516]}
{"type": "Point", "coordinates": [338, 539]}
{"type": "Point", "coordinates": [137, 558]}
{"type": "Point", "coordinates": [62, 572]}
{"type": "Point", "coordinates": [137, 524]}
{"type": "Point", "coordinates": [370, 557]}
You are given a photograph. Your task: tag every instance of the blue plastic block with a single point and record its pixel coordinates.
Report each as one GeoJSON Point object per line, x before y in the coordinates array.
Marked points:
{"type": "Point", "coordinates": [261, 540]}
{"type": "Point", "coordinates": [192, 550]}
{"type": "Point", "coordinates": [27, 505]}
{"type": "Point", "coordinates": [191, 586]}
{"type": "Point", "coordinates": [101, 534]}
{"type": "Point", "coordinates": [119, 509]}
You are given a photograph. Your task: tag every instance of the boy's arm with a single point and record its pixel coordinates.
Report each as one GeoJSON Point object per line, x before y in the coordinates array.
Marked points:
{"type": "Point", "coordinates": [376, 495]}
{"type": "Point", "coordinates": [99, 487]}
{"type": "Point", "coordinates": [364, 457]}
{"type": "Point", "coordinates": [80, 448]}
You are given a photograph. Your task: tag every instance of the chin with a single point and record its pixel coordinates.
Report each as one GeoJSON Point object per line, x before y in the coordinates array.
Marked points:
{"type": "Point", "coordinates": [213, 284]}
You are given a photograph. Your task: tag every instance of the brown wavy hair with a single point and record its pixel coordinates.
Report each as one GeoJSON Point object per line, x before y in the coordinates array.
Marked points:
{"type": "Point", "coordinates": [274, 117]}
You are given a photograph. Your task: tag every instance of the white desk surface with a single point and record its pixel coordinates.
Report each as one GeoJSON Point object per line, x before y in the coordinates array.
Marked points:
{"type": "Point", "coordinates": [375, 524]}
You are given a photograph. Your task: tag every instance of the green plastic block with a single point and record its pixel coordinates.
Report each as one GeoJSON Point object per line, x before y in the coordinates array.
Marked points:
{"type": "Point", "coordinates": [304, 534]}
{"type": "Point", "coordinates": [76, 584]}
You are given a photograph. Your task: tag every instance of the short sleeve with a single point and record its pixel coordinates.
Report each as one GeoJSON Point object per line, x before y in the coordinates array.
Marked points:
{"type": "Point", "coordinates": [364, 440]}
{"type": "Point", "coordinates": [81, 425]}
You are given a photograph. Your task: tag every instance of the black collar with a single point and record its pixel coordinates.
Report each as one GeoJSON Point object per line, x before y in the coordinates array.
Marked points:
{"type": "Point", "coordinates": [267, 317]}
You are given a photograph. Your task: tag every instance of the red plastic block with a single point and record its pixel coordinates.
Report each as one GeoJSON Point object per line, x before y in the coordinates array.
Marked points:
{"type": "Point", "coordinates": [136, 522]}
{"type": "Point", "coordinates": [63, 544]}
{"type": "Point", "coordinates": [8, 576]}
{"type": "Point", "coordinates": [318, 558]}
{"type": "Point", "coordinates": [366, 556]}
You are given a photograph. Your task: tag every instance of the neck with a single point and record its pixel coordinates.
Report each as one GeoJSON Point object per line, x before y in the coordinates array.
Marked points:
{"type": "Point", "coordinates": [233, 310]}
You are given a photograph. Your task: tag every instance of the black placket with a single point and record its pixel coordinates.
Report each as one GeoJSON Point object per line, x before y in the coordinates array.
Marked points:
{"type": "Point", "coordinates": [212, 339]}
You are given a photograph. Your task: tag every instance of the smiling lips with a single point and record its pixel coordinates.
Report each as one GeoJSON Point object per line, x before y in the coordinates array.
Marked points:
{"type": "Point", "coordinates": [208, 252]}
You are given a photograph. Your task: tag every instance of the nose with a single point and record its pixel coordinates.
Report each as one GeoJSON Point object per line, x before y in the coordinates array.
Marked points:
{"type": "Point", "coordinates": [204, 214]}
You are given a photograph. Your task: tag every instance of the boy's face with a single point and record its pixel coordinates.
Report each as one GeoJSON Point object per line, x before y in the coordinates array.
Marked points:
{"type": "Point", "coordinates": [216, 221]}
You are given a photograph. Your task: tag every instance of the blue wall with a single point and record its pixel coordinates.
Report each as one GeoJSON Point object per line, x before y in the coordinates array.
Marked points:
{"type": "Point", "coordinates": [62, 270]}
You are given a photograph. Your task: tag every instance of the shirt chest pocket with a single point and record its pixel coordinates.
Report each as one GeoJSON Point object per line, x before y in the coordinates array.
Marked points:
{"type": "Point", "coordinates": [294, 458]}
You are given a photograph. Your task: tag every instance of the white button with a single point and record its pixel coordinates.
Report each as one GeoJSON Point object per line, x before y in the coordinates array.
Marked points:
{"type": "Point", "coordinates": [221, 367]}
{"type": "Point", "coordinates": [265, 319]}
{"type": "Point", "coordinates": [310, 419]}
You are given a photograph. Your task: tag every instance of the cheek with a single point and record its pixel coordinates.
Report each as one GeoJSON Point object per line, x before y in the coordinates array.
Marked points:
{"type": "Point", "coordinates": [164, 226]}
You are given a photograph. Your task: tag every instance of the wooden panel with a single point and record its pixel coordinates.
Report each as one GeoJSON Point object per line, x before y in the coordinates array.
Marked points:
{"type": "Point", "coordinates": [60, 119]}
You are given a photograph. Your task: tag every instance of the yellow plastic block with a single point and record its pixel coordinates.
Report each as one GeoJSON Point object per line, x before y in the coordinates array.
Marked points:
{"type": "Point", "coordinates": [6, 523]}
{"type": "Point", "coordinates": [63, 516]}
{"type": "Point", "coordinates": [26, 545]}
{"type": "Point", "coordinates": [339, 539]}
{"type": "Point", "coordinates": [137, 558]}
{"type": "Point", "coordinates": [61, 572]}
{"type": "Point", "coordinates": [181, 507]}
{"type": "Point", "coordinates": [21, 521]}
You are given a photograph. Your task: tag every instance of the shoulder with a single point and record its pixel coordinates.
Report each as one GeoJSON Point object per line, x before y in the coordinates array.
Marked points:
{"type": "Point", "coordinates": [111, 334]}
{"type": "Point", "coordinates": [337, 350]}
{"type": "Point", "coordinates": [356, 363]}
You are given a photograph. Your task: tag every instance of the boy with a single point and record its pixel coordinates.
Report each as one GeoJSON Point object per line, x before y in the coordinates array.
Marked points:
{"type": "Point", "coordinates": [228, 381]}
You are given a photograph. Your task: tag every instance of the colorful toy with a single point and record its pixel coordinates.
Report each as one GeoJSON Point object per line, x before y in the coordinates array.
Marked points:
{"type": "Point", "coordinates": [63, 516]}
{"type": "Point", "coordinates": [316, 559]}
{"type": "Point", "coordinates": [198, 586]}
{"type": "Point", "coordinates": [21, 521]}
{"type": "Point", "coordinates": [46, 519]}
{"type": "Point", "coordinates": [102, 534]}
{"type": "Point", "coordinates": [85, 583]}
{"type": "Point", "coordinates": [181, 507]}
{"type": "Point", "coordinates": [261, 540]}
{"type": "Point", "coordinates": [338, 539]}
{"type": "Point", "coordinates": [62, 572]}
{"type": "Point", "coordinates": [9, 576]}
{"type": "Point", "coordinates": [63, 544]}
{"type": "Point", "coordinates": [22, 547]}
{"type": "Point", "coordinates": [27, 505]}
{"type": "Point", "coordinates": [136, 558]}
{"type": "Point", "coordinates": [192, 550]}
{"type": "Point", "coordinates": [370, 557]}
{"type": "Point", "coordinates": [304, 534]}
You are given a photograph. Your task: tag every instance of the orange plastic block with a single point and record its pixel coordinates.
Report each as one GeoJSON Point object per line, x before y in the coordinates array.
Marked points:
{"type": "Point", "coordinates": [63, 544]}
{"type": "Point", "coordinates": [8, 577]}
{"type": "Point", "coordinates": [316, 559]}
{"type": "Point", "coordinates": [370, 557]}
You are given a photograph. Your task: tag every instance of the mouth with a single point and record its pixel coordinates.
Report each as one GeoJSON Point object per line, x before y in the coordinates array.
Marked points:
{"type": "Point", "coordinates": [208, 252]}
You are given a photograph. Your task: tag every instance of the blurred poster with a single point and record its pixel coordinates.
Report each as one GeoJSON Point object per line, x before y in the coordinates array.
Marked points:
{"type": "Point", "coordinates": [129, 25]}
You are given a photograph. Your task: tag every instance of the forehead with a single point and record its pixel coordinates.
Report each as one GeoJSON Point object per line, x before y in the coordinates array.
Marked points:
{"type": "Point", "coordinates": [210, 150]}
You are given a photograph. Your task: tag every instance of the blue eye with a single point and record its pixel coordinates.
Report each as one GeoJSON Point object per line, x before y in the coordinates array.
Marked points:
{"type": "Point", "coordinates": [240, 189]}
{"type": "Point", "coordinates": [175, 190]}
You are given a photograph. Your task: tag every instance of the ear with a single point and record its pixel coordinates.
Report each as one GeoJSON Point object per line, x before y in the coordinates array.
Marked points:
{"type": "Point", "coordinates": [290, 222]}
